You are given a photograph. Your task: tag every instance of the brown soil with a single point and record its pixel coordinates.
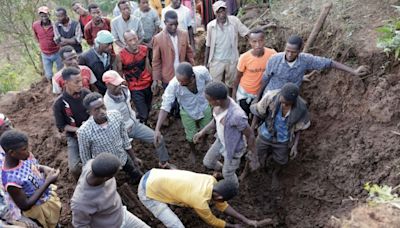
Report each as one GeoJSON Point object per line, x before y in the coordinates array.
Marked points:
{"type": "Point", "coordinates": [348, 144]}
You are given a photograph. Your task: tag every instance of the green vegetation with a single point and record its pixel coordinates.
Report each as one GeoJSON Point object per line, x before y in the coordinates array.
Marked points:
{"type": "Point", "coordinates": [20, 63]}
{"type": "Point", "coordinates": [382, 194]}
{"type": "Point", "coordinates": [389, 36]}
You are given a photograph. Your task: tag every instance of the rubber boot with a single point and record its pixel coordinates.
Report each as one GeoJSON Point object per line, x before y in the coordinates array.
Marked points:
{"type": "Point", "coordinates": [192, 155]}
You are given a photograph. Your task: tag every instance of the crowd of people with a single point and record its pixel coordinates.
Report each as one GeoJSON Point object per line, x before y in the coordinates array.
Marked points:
{"type": "Point", "coordinates": [250, 100]}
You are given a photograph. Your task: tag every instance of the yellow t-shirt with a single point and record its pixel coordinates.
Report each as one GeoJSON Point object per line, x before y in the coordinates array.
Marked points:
{"type": "Point", "coordinates": [253, 68]}
{"type": "Point", "coordinates": [187, 189]}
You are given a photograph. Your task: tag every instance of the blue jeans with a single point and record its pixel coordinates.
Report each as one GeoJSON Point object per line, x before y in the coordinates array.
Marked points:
{"type": "Point", "coordinates": [48, 61]}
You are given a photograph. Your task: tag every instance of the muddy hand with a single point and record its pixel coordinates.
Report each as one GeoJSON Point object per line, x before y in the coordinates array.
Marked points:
{"type": "Point", "coordinates": [157, 138]}
{"type": "Point", "coordinates": [362, 70]}
{"type": "Point", "coordinates": [197, 137]}
{"type": "Point", "coordinates": [263, 222]}
{"type": "Point", "coordinates": [52, 175]}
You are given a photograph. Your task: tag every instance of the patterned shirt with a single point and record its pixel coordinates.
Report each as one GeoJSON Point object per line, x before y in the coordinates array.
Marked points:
{"type": "Point", "coordinates": [150, 22]}
{"type": "Point", "coordinates": [193, 104]}
{"type": "Point", "coordinates": [27, 177]}
{"type": "Point", "coordinates": [281, 127]}
{"type": "Point", "coordinates": [8, 210]}
{"type": "Point", "coordinates": [279, 72]}
{"type": "Point", "coordinates": [111, 137]}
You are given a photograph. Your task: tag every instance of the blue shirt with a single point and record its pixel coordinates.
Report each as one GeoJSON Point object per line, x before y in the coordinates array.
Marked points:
{"type": "Point", "coordinates": [281, 128]}
{"type": "Point", "coordinates": [279, 72]}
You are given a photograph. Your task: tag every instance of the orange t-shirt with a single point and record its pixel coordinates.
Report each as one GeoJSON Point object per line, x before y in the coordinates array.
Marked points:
{"type": "Point", "coordinates": [253, 68]}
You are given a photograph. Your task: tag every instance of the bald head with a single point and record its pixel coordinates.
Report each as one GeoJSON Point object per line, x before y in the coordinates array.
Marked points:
{"type": "Point", "coordinates": [131, 40]}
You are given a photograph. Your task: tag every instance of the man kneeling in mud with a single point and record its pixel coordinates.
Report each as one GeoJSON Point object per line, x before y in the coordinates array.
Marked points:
{"type": "Point", "coordinates": [159, 187]}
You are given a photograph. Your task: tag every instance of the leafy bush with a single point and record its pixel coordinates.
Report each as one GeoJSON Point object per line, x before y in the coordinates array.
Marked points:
{"type": "Point", "coordinates": [8, 78]}
{"type": "Point", "coordinates": [382, 194]}
{"type": "Point", "coordinates": [389, 36]}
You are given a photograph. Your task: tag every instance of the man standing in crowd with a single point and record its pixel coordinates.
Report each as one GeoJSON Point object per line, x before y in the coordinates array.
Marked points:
{"type": "Point", "coordinates": [84, 15]}
{"type": "Point", "coordinates": [125, 22]}
{"type": "Point", "coordinates": [117, 10]}
{"type": "Point", "coordinates": [158, 188]}
{"type": "Point", "coordinates": [222, 52]}
{"type": "Point", "coordinates": [250, 69]}
{"type": "Point", "coordinates": [118, 98]}
{"type": "Point", "coordinates": [70, 113]}
{"type": "Point", "coordinates": [133, 62]}
{"type": "Point", "coordinates": [185, 21]}
{"type": "Point", "coordinates": [150, 21]}
{"type": "Point", "coordinates": [99, 58]}
{"type": "Point", "coordinates": [231, 124]}
{"type": "Point", "coordinates": [284, 116]}
{"type": "Point", "coordinates": [70, 59]}
{"type": "Point", "coordinates": [187, 87]}
{"type": "Point", "coordinates": [105, 131]}
{"type": "Point", "coordinates": [44, 34]}
{"type": "Point", "coordinates": [97, 24]}
{"type": "Point", "coordinates": [67, 31]}
{"type": "Point", "coordinates": [170, 47]}
{"type": "Point", "coordinates": [291, 65]}
{"type": "Point", "coordinates": [96, 202]}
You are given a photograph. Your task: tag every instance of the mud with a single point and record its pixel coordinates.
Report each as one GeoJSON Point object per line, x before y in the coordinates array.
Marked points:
{"type": "Point", "coordinates": [348, 144]}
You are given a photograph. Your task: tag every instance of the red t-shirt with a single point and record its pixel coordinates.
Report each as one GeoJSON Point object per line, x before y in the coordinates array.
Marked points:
{"type": "Point", "coordinates": [45, 37]}
{"type": "Point", "coordinates": [91, 30]}
{"type": "Point", "coordinates": [134, 68]}
{"type": "Point", "coordinates": [86, 74]}
{"type": "Point", "coordinates": [84, 20]}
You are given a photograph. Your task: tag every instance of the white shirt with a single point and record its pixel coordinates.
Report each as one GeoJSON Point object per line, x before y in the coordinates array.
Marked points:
{"type": "Point", "coordinates": [174, 40]}
{"type": "Point", "coordinates": [184, 17]}
{"type": "Point", "coordinates": [220, 127]}
{"type": "Point", "coordinates": [193, 104]}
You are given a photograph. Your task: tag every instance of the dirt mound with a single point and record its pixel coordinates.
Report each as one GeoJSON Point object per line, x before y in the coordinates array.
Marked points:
{"type": "Point", "coordinates": [349, 143]}
{"type": "Point", "coordinates": [370, 217]}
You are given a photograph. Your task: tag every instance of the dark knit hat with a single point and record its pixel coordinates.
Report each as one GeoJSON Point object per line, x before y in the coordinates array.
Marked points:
{"type": "Point", "coordinates": [290, 92]}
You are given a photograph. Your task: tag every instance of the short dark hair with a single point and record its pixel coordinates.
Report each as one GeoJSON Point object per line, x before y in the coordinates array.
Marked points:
{"type": "Point", "coordinates": [62, 9]}
{"type": "Point", "coordinates": [171, 15]}
{"type": "Point", "coordinates": [68, 72]}
{"type": "Point", "coordinates": [216, 90]}
{"type": "Point", "coordinates": [105, 165]}
{"type": "Point", "coordinates": [256, 31]}
{"type": "Point", "coordinates": [120, 2]}
{"type": "Point", "coordinates": [13, 139]}
{"type": "Point", "coordinates": [92, 6]}
{"type": "Point", "coordinates": [185, 69]}
{"type": "Point", "coordinates": [90, 98]}
{"type": "Point", "coordinates": [295, 40]}
{"type": "Point", "coordinates": [227, 189]}
{"type": "Point", "coordinates": [65, 49]}
{"type": "Point", "coordinates": [74, 3]}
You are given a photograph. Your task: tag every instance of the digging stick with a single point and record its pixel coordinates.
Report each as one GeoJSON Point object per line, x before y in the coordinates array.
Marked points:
{"type": "Point", "coordinates": [317, 27]}
{"type": "Point", "coordinates": [314, 33]}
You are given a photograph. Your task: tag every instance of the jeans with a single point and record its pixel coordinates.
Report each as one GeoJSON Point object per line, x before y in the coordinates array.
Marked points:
{"type": "Point", "coordinates": [214, 154]}
{"type": "Point", "coordinates": [132, 170]}
{"type": "Point", "coordinates": [160, 210]}
{"type": "Point", "coordinates": [48, 61]}
{"type": "Point", "coordinates": [144, 133]}
{"type": "Point", "coordinates": [279, 151]}
{"type": "Point", "coordinates": [130, 220]}
{"type": "Point", "coordinates": [142, 101]}
{"type": "Point", "coordinates": [74, 159]}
